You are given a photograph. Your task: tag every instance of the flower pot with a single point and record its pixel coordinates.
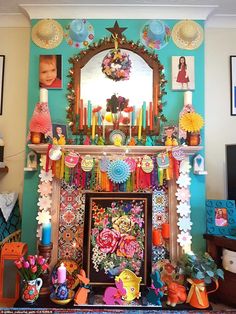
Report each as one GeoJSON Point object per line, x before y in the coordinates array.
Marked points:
{"type": "Point", "coordinates": [193, 138]}
{"type": "Point", "coordinates": [30, 292]}
{"type": "Point", "coordinates": [198, 295]}
{"type": "Point", "coordinates": [36, 137]}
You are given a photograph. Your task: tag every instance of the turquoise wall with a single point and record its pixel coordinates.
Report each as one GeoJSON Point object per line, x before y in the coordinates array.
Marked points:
{"type": "Point", "coordinates": [58, 103]}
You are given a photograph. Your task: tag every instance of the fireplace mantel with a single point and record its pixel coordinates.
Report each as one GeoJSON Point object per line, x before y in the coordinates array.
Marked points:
{"type": "Point", "coordinates": [111, 149]}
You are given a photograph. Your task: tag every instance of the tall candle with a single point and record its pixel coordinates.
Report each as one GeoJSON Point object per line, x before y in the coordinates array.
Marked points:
{"type": "Point", "coordinates": [140, 124]}
{"type": "Point", "coordinates": [144, 114]}
{"type": "Point", "coordinates": [81, 115]}
{"type": "Point", "coordinates": [43, 95]}
{"type": "Point", "coordinates": [99, 118]}
{"type": "Point", "coordinates": [156, 237]}
{"type": "Point", "coordinates": [46, 233]}
{"type": "Point", "coordinates": [61, 273]}
{"type": "Point", "coordinates": [133, 117]}
{"type": "Point", "coordinates": [89, 114]}
{"type": "Point", "coordinates": [188, 98]}
{"type": "Point", "coordinates": [165, 230]}
{"type": "Point", "coordinates": [93, 125]}
{"type": "Point", "coordinates": [150, 116]}
{"type": "Point", "coordinates": [85, 116]}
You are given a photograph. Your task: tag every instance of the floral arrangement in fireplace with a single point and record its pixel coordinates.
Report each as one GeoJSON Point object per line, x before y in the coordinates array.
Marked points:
{"type": "Point", "coordinates": [118, 236]}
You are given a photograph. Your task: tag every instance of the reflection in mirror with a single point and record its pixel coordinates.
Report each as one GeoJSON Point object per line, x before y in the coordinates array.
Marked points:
{"type": "Point", "coordinates": [97, 88]}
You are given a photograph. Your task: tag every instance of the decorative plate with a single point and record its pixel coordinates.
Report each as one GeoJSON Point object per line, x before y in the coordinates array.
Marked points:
{"type": "Point", "coordinates": [63, 302]}
{"type": "Point", "coordinates": [118, 171]}
{"type": "Point", "coordinates": [72, 269]}
{"type": "Point", "coordinates": [117, 136]}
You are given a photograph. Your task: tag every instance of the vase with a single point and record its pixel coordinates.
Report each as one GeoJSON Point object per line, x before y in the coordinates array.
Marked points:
{"type": "Point", "coordinates": [198, 295]}
{"type": "Point", "coordinates": [30, 292]}
{"type": "Point", "coordinates": [36, 137]}
{"type": "Point", "coordinates": [193, 138]}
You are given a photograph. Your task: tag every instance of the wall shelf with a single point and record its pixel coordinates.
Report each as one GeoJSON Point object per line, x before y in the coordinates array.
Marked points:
{"type": "Point", "coordinates": [111, 149]}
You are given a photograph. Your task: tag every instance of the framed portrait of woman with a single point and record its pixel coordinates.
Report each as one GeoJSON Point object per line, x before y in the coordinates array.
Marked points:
{"type": "Point", "coordinates": [183, 73]}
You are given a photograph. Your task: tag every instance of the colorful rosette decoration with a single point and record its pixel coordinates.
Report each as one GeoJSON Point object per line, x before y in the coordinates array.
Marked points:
{"type": "Point", "coordinates": [118, 171]}
{"type": "Point", "coordinates": [116, 65]}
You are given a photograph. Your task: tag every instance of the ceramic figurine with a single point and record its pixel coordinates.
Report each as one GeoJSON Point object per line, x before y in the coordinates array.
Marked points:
{"type": "Point", "coordinates": [155, 294]}
{"type": "Point", "coordinates": [176, 294]}
{"type": "Point", "coordinates": [131, 283]}
{"type": "Point", "coordinates": [114, 295]}
{"type": "Point", "coordinates": [82, 293]}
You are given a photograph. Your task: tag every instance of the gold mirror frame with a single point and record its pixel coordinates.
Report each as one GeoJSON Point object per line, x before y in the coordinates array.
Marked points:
{"type": "Point", "coordinates": [80, 60]}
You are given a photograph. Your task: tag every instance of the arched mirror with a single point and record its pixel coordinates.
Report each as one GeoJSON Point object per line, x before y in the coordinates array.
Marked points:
{"type": "Point", "coordinates": [88, 82]}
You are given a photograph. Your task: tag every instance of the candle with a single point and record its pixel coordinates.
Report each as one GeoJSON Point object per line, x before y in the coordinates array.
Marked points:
{"type": "Point", "coordinates": [43, 95]}
{"type": "Point", "coordinates": [144, 114]}
{"type": "Point", "coordinates": [165, 231]}
{"type": "Point", "coordinates": [61, 273]}
{"type": "Point", "coordinates": [188, 98]}
{"type": "Point", "coordinates": [93, 125]}
{"type": "Point", "coordinates": [81, 115]}
{"type": "Point", "coordinates": [156, 237]}
{"type": "Point", "coordinates": [46, 233]}
{"type": "Point", "coordinates": [130, 124]}
{"type": "Point", "coordinates": [89, 113]}
{"type": "Point", "coordinates": [133, 117]}
{"type": "Point", "coordinates": [150, 116]}
{"type": "Point", "coordinates": [140, 125]}
{"type": "Point", "coordinates": [85, 116]}
{"type": "Point", "coordinates": [99, 118]}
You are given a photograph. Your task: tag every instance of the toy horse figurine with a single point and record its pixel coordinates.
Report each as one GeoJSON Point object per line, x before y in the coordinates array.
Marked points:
{"type": "Point", "coordinates": [82, 293]}
{"type": "Point", "coordinates": [114, 295]}
{"type": "Point", "coordinates": [155, 294]}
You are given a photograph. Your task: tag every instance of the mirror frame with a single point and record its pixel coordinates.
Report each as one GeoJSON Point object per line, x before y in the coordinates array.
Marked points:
{"type": "Point", "coordinates": [80, 60]}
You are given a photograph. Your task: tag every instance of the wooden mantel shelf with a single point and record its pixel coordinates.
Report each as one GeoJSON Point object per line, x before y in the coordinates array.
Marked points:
{"type": "Point", "coordinates": [111, 149]}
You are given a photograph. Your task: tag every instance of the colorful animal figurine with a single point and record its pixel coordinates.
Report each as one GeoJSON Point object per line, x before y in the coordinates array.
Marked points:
{"type": "Point", "coordinates": [82, 293]}
{"type": "Point", "coordinates": [131, 283]}
{"type": "Point", "coordinates": [176, 294]}
{"type": "Point", "coordinates": [155, 294]}
{"type": "Point", "coordinates": [114, 295]}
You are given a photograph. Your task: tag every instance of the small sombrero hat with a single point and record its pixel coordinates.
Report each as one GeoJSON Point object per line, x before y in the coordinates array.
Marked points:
{"type": "Point", "coordinates": [155, 34]}
{"type": "Point", "coordinates": [79, 33]}
{"type": "Point", "coordinates": [187, 34]}
{"type": "Point", "coordinates": [47, 34]}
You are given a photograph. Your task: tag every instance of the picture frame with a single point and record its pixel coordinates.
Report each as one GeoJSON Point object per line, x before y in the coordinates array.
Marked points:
{"type": "Point", "coordinates": [221, 217]}
{"type": "Point", "coordinates": [120, 211]}
{"type": "Point", "coordinates": [2, 68]}
{"type": "Point", "coordinates": [50, 71]}
{"type": "Point", "coordinates": [183, 73]}
{"type": "Point", "coordinates": [59, 132]}
{"type": "Point", "coordinates": [233, 85]}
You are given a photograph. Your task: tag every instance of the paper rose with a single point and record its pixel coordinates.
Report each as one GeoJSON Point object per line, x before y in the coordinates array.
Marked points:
{"type": "Point", "coordinates": [123, 224]}
{"type": "Point", "coordinates": [44, 202]}
{"type": "Point", "coordinates": [107, 240]}
{"type": "Point", "coordinates": [183, 209]}
{"type": "Point", "coordinates": [128, 246]}
{"type": "Point", "coordinates": [184, 223]}
{"type": "Point", "coordinates": [184, 180]}
{"type": "Point", "coordinates": [184, 238]}
{"type": "Point", "coordinates": [184, 166]}
{"type": "Point", "coordinates": [46, 176]}
{"type": "Point", "coordinates": [183, 195]}
{"type": "Point", "coordinates": [45, 188]}
{"type": "Point", "coordinates": [43, 217]}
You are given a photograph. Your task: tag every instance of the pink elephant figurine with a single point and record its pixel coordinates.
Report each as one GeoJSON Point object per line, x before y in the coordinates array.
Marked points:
{"type": "Point", "coordinates": [113, 295]}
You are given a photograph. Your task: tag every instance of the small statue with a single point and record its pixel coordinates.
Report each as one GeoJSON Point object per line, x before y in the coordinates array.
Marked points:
{"type": "Point", "coordinates": [170, 136]}
{"type": "Point", "coordinates": [82, 293]}
{"type": "Point", "coordinates": [176, 294]}
{"type": "Point", "coordinates": [155, 294]}
{"type": "Point", "coordinates": [114, 295]}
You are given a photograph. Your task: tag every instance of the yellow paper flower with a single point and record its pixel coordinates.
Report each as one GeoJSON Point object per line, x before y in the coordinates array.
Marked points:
{"type": "Point", "coordinates": [191, 122]}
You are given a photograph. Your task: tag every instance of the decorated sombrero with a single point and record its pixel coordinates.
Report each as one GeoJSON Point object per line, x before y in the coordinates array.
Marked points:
{"type": "Point", "coordinates": [187, 34]}
{"type": "Point", "coordinates": [155, 34]}
{"type": "Point", "coordinates": [79, 33]}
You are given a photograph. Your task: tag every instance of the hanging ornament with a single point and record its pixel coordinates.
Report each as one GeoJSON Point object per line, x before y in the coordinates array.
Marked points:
{"type": "Point", "coordinates": [131, 162]}
{"type": "Point", "coordinates": [118, 171]}
{"type": "Point", "coordinates": [71, 160]}
{"type": "Point", "coordinates": [147, 164]}
{"type": "Point", "coordinates": [87, 163]}
{"type": "Point", "coordinates": [163, 160]}
{"type": "Point", "coordinates": [178, 153]}
{"type": "Point", "coordinates": [104, 164]}
{"type": "Point", "coordinates": [55, 152]}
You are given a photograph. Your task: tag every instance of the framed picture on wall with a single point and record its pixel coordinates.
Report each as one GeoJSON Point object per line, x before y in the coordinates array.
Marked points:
{"type": "Point", "coordinates": [233, 84]}
{"type": "Point", "coordinates": [50, 71]}
{"type": "Point", "coordinates": [183, 76]}
{"type": "Point", "coordinates": [2, 64]}
{"type": "Point", "coordinates": [117, 237]}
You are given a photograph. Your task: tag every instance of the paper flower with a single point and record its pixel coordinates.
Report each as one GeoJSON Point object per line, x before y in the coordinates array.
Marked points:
{"type": "Point", "coordinates": [43, 217]}
{"type": "Point", "coordinates": [184, 223]}
{"type": "Point", "coordinates": [184, 180]}
{"type": "Point", "coordinates": [183, 209]}
{"type": "Point", "coordinates": [191, 122]}
{"type": "Point", "coordinates": [46, 176]}
{"type": "Point", "coordinates": [44, 202]}
{"type": "Point", "coordinates": [184, 166]}
{"type": "Point", "coordinates": [183, 195]}
{"type": "Point", "coordinates": [118, 171]}
{"type": "Point", "coordinates": [184, 238]}
{"type": "Point", "coordinates": [45, 188]}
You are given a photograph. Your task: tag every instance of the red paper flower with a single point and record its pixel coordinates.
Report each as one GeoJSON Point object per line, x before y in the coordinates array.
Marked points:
{"type": "Point", "coordinates": [107, 240]}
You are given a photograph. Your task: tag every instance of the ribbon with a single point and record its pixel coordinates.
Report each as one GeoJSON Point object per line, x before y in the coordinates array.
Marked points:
{"type": "Point", "coordinates": [198, 288]}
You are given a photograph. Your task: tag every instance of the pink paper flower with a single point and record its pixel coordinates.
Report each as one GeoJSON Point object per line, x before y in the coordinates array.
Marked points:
{"type": "Point", "coordinates": [107, 240]}
{"type": "Point", "coordinates": [128, 246]}
{"type": "Point", "coordinates": [45, 188]}
{"type": "Point", "coordinates": [183, 195]}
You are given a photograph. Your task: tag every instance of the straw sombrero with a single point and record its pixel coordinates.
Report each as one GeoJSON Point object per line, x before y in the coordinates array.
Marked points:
{"type": "Point", "coordinates": [47, 34]}
{"type": "Point", "coordinates": [79, 33]}
{"type": "Point", "coordinates": [187, 34]}
{"type": "Point", "coordinates": [155, 34]}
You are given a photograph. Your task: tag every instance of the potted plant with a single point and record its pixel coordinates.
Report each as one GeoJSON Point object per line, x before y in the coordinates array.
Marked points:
{"type": "Point", "coordinates": [200, 270]}
{"type": "Point", "coordinates": [192, 122]}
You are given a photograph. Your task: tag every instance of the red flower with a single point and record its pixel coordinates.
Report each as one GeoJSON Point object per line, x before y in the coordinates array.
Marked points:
{"type": "Point", "coordinates": [34, 269]}
{"type": "Point", "coordinates": [44, 267]}
{"type": "Point", "coordinates": [97, 109]}
{"type": "Point", "coordinates": [128, 109]}
{"type": "Point", "coordinates": [128, 246]}
{"type": "Point", "coordinates": [107, 240]}
{"type": "Point", "coordinates": [18, 264]}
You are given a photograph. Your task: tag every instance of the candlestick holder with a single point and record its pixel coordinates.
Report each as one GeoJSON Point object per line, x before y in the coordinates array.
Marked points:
{"type": "Point", "coordinates": [45, 251]}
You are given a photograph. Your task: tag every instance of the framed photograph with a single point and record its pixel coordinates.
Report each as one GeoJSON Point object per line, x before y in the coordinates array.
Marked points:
{"type": "Point", "coordinates": [221, 217]}
{"type": "Point", "coordinates": [50, 71]}
{"type": "Point", "coordinates": [233, 84]}
{"type": "Point", "coordinates": [183, 76]}
{"type": "Point", "coordinates": [2, 65]}
{"type": "Point", "coordinates": [59, 132]}
{"type": "Point", "coordinates": [117, 236]}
